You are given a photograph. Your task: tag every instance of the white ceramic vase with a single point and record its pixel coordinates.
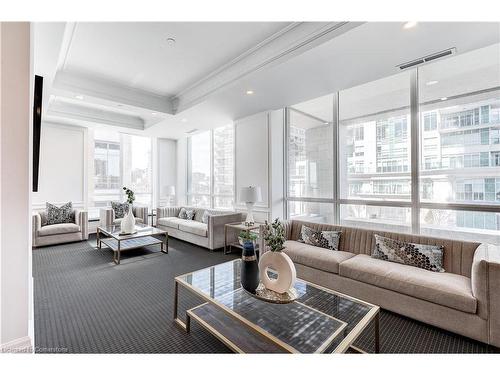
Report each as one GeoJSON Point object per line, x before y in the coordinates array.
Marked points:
{"type": "Point", "coordinates": [284, 267]}
{"type": "Point", "coordinates": [128, 222]}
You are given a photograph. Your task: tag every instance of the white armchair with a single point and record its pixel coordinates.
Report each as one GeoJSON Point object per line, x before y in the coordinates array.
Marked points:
{"type": "Point", "coordinates": [107, 215]}
{"type": "Point", "coordinates": [53, 234]}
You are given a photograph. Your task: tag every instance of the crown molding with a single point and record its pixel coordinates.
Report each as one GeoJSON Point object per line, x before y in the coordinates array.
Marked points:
{"type": "Point", "coordinates": [71, 83]}
{"type": "Point", "coordinates": [291, 41]}
{"type": "Point", "coordinates": [76, 112]}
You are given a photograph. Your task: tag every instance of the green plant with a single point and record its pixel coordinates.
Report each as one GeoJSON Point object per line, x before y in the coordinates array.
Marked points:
{"type": "Point", "coordinates": [130, 195]}
{"type": "Point", "coordinates": [274, 235]}
{"type": "Point", "coordinates": [247, 236]}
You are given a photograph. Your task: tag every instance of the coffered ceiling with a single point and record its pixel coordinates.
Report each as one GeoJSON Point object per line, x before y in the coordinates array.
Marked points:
{"type": "Point", "coordinates": [130, 75]}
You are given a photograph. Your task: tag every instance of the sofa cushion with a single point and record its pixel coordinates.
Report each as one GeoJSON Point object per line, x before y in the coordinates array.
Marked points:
{"type": "Point", "coordinates": [50, 230]}
{"type": "Point", "coordinates": [172, 222]}
{"type": "Point", "coordinates": [315, 257]}
{"type": "Point", "coordinates": [120, 209]}
{"type": "Point", "coordinates": [445, 289]}
{"type": "Point", "coordinates": [326, 239]}
{"type": "Point", "coordinates": [194, 227]}
{"type": "Point", "coordinates": [59, 215]}
{"type": "Point", "coordinates": [427, 257]}
{"type": "Point", "coordinates": [138, 220]}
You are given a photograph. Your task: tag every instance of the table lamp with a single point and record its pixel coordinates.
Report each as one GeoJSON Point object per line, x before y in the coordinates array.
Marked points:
{"type": "Point", "coordinates": [250, 195]}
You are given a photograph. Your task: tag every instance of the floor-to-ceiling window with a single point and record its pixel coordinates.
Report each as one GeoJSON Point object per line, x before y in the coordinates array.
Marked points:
{"type": "Point", "coordinates": [310, 160]}
{"type": "Point", "coordinates": [211, 168]}
{"type": "Point", "coordinates": [117, 160]}
{"type": "Point", "coordinates": [448, 185]}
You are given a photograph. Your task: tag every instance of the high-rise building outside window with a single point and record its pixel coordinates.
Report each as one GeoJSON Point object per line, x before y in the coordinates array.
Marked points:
{"type": "Point", "coordinates": [457, 120]}
{"type": "Point", "coordinates": [211, 168]}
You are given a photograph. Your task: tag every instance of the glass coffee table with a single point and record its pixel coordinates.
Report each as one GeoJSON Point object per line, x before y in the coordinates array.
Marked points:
{"type": "Point", "coordinates": [121, 242]}
{"type": "Point", "coordinates": [319, 321]}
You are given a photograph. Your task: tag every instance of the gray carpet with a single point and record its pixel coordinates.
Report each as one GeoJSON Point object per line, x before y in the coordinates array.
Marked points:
{"type": "Point", "coordinates": [86, 304]}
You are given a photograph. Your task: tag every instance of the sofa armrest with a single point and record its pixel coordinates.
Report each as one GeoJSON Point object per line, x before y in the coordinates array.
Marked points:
{"type": "Point", "coordinates": [106, 216]}
{"type": "Point", "coordinates": [141, 212]}
{"type": "Point", "coordinates": [81, 219]}
{"type": "Point", "coordinates": [36, 225]}
{"type": "Point", "coordinates": [167, 212]}
{"type": "Point", "coordinates": [485, 280]}
{"type": "Point", "coordinates": [216, 225]}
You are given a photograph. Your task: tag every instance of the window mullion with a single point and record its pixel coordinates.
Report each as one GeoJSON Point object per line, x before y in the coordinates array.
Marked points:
{"type": "Point", "coordinates": [415, 152]}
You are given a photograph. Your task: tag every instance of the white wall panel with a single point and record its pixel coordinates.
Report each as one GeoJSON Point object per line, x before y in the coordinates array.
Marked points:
{"type": "Point", "coordinates": [62, 173]}
{"type": "Point", "coordinates": [252, 157]}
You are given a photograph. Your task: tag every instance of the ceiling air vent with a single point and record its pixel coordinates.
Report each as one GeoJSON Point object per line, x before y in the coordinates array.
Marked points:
{"type": "Point", "coordinates": [428, 58]}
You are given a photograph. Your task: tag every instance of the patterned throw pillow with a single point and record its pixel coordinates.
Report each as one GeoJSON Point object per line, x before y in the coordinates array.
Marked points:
{"type": "Point", "coordinates": [59, 215]}
{"type": "Point", "coordinates": [120, 209]}
{"type": "Point", "coordinates": [182, 214]}
{"type": "Point", "coordinates": [327, 239]}
{"type": "Point", "coordinates": [428, 257]}
{"type": "Point", "coordinates": [186, 213]}
{"type": "Point", "coordinates": [190, 214]}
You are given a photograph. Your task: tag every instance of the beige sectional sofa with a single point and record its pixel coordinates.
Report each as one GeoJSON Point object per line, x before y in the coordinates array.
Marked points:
{"type": "Point", "coordinates": [465, 299]}
{"type": "Point", "coordinates": [44, 235]}
{"type": "Point", "coordinates": [209, 235]}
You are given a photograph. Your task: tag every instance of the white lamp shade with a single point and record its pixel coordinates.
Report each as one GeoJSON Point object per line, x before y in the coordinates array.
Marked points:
{"type": "Point", "coordinates": [168, 190]}
{"type": "Point", "coordinates": [250, 194]}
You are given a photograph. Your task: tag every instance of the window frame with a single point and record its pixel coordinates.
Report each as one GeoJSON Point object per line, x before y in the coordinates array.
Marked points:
{"type": "Point", "coordinates": [414, 132]}
{"type": "Point", "coordinates": [211, 195]}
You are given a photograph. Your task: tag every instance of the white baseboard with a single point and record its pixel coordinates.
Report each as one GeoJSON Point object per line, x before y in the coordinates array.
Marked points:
{"type": "Point", "coordinates": [20, 345]}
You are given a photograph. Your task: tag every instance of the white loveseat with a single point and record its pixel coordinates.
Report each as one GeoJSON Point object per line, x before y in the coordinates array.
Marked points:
{"type": "Point", "coordinates": [209, 234]}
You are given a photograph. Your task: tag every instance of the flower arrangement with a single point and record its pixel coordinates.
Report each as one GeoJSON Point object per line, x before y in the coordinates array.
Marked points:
{"type": "Point", "coordinates": [274, 235]}
{"type": "Point", "coordinates": [247, 236]}
{"type": "Point", "coordinates": [130, 195]}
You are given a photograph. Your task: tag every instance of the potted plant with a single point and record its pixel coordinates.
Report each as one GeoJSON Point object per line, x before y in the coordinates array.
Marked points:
{"type": "Point", "coordinates": [127, 225]}
{"type": "Point", "coordinates": [247, 236]}
{"type": "Point", "coordinates": [276, 259]}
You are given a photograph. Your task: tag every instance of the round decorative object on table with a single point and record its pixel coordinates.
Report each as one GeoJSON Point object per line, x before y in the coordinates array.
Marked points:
{"type": "Point", "coordinates": [271, 296]}
{"type": "Point", "coordinates": [127, 224]}
{"type": "Point", "coordinates": [284, 267]}
{"type": "Point", "coordinates": [249, 268]}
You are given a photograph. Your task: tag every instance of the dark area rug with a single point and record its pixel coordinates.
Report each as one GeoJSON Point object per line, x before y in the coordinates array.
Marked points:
{"type": "Point", "coordinates": [86, 304]}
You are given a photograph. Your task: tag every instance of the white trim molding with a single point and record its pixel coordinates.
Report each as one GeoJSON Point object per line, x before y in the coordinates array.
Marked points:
{"type": "Point", "coordinates": [291, 41]}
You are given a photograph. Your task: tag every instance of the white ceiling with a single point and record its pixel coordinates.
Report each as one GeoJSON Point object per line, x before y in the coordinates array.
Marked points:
{"type": "Point", "coordinates": [201, 81]}
{"type": "Point", "coordinates": [136, 54]}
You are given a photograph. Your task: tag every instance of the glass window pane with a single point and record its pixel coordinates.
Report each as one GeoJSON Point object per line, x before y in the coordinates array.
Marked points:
{"type": "Point", "coordinates": [199, 201]}
{"type": "Point", "coordinates": [376, 166]}
{"type": "Point", "coordinates": [463, 225]}
{"type": "Point", "coordinates": [223, 202]}
{"type": "Point", "coordinates": [310, 149]}
{"type": "Point", "coordinates": [199, 164]}
{"type": "Point", "coordinates": [137, 167]}
{"type": "Point", "coordinates": [393, 219]}
{"type": "Point", "coordinates": [223, 161]}
{"type": "Point", "coordinates": [457, 158]}
{"type": "Point", "coordinates": [311, 211]}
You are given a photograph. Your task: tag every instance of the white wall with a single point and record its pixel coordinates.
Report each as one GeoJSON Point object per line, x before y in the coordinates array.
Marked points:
{"type": "Point", "coordinates": [15, 186]}
{"type": "Point", "coordinates": [63, 161]}
{"type": "Point", "coordinates": [167, 168]}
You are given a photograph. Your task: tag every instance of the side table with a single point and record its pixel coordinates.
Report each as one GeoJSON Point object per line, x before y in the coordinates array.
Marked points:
{"type": "Point", "coordinates": [240, 227]}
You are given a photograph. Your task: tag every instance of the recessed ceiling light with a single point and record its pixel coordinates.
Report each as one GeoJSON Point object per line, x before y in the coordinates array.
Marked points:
{"type": "Point", "coordinates": [80, 97]}
{"type": "Point", "coordinates": [444, 98]}
{"type": "Point", "coordinates": [249, 92]}
{"type": "Point", "coordinates": [170, 41]}
{"type": "Point", "coordinates": [430, 83]}
{"type": "Point", "coordinates": [153, 113]}
{"type": "Point", "coordinates": [409, 25]}
{"type": "Point", "coordinates": [184, 120]}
